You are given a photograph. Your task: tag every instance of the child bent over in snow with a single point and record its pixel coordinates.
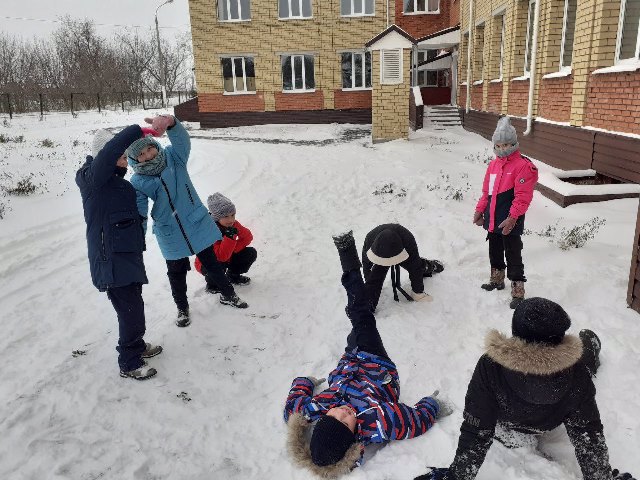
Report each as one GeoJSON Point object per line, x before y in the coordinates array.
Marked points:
{"type": "Point", "coordinates": [232, 251]}
{"type": "Point", "coordinates": [361, 405]}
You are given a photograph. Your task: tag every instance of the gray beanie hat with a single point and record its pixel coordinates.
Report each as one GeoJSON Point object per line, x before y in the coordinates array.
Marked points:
{"type": "Point", "coordinates": [100, 139]}
{"type": "Point", "coordinates": [220, 206]}
{"type": "Point", "coordinates": [505, 133]}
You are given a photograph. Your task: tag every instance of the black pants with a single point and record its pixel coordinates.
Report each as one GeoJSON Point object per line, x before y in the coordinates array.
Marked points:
{"type": "Point", "coordinates": [128, 304]}
{"type": "Point", "coordinates": [177, 273]}
{"type": "Point", "coordinates": [238, 263]}
{"type": "Point", "coordinates": [509, 246]}
{"type": "Point", "coordinates": [364, 333]}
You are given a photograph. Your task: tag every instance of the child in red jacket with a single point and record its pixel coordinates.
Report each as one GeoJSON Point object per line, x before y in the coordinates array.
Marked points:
{"type": "Point", "coordinates": [232, 251]}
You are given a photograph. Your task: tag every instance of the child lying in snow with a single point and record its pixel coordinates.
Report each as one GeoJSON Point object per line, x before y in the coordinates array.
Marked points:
{"type": "Point", "coordinates": [232, 251]}
{"type": "Point", "coordinates": [361, 404]}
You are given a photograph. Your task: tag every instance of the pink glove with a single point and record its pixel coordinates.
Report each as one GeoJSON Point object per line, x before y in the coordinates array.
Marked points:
{"type": "Point", "coordinates": [507, 225]}
{"type": "Point", "coordinates": [161, 123]}
{"type": "Point", "coordinates": [478, 218]}
{"type": "Point", "coordinates": [149, 131]}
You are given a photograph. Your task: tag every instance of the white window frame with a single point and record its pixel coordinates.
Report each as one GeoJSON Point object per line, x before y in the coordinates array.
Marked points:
{"type": "Point", "coordinates": [626, 61]}
{"type": "Point", "coordinates": [293, 73]}
{"type": "Point", "coordinates": [363, 54]}
{"type": "Point", "coordinates": [400, 79]}
{"type": "Point", "coordinates": [244, 77]}
{"type": "Point", "coordinates": [530, 15]}
{"type": "Point", "coordinates": [501, 46]}
{"type": "Point", "coordinates": [426, 11]}
{"type": "Point", "coordinates": [297, 17]}
{"type": "Point", "coordinates": [239, 19]}
{"type": "Point", "coordinates": [353, 14]}
{"type": "Point", "coordinates": [566, 68]}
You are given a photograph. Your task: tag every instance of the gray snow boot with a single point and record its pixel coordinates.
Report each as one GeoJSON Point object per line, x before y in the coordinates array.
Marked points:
{"type": "Point", "coordinates": [141, 373]}
{"type": "Point", "coordinates": [233, 300]}
{"type": "Point", "coordinates": [496, 281]}
{"type": "Point", "coordinates": [151, 350]}
{"type": "Point", "coordinates": [183, 319]}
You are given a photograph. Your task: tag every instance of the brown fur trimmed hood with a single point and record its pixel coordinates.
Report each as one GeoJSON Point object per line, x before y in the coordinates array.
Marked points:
{"type": "Point", "coordinates": [533, 358]}
{"type": "Point", "coordinates": [298, 446]}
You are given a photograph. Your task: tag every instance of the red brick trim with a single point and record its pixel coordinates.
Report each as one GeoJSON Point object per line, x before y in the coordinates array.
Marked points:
{"type": "Point", "coordinates": [300, 101]}
{"type": "Point", "coordinates": [218, 102]}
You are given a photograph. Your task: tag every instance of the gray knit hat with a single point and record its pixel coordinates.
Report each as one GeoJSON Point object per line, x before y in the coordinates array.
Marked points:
{"type": "Point", "coordinates": [100, 139]}
{"type": "Point", "coordinates": [136, 147]}
{"type": "Point", "coordinates": [505, 133]}
{"type": "Point", "coordinates": [220, 206]}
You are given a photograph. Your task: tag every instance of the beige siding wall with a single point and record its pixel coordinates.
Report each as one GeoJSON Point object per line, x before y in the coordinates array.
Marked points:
{"type": "Point", "coordinates": [390, 103]}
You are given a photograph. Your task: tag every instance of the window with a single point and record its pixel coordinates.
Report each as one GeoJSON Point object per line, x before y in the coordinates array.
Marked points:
{"type": "Point", "coordinates": [426, 55]}
{"type": "Point", "coordinates": [421, 6]}
{"type": "Point", "coordinates": [529, 44]}
{"type": "Point", "coordinates": [352, 8]}
{"type": "Point", "coordinates": [297, 73]}
{"type": "Point", "coordinates": [628, 44]}
{"type": "Point", "coordinates": [294, 8]}
{"type": "Point", "coordinates": [356, 70]}
{"type": "Point", "coordinates": [390, 67]}
{"type": "Point", "coordinates": [234, 10]}
{"type": "Point", "coordinates": [433, 78]}
{"type": "Point", "coordinates": [238, 74]}
{"type": "Point", "coordinates": [568, 33]}
{"type": "Point", "coordinates": [478, 45]}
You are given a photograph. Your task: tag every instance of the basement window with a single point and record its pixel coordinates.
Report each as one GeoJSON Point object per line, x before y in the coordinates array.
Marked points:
{"type": "Point", "coordinates": [391, 67]}
{"type": "Point", "coordinates": [234, 10]}
{"type": "Point", "coordinates": [628, 41]}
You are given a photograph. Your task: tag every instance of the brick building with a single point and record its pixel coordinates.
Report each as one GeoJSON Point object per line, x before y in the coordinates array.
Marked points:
{"type": "Point", "coordinates": [584, 62]}
{"type": "Point", "coordinates": [297, 61]}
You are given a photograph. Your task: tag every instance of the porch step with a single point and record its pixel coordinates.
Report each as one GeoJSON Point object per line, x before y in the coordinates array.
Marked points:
{"type": "Point", "coordinates": [443, 115]}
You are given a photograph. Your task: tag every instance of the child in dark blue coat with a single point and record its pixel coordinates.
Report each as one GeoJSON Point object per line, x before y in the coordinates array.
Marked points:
{"type": "Point", "coordinates": [115, 241]}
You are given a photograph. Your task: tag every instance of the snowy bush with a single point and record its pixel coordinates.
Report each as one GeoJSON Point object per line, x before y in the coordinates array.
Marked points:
{"type": "Point", "coordinates": [47, 143]}
{"type": "Point", "coordinates": [3, 209]}
{"type": "Point", "coordinates": [390, 189]}
{"type": "Point", "coordinates": [448, 189]}
{"type": "Point", "coordinates": [484, 157]}
{"type": "Point", "coordinates": [578, 236]}
{"type": "Point", "coordinates": [24, 187]}
{"type": "Point", "coordinates": [7, 138]}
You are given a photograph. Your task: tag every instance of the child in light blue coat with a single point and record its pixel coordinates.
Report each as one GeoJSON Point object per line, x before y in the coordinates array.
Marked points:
{"type": "Point", "coordinates": [181, 223]}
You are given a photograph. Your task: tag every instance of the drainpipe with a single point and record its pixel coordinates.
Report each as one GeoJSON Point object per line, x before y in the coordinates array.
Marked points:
{"type": "Point", "coordinates": [532, 67]}
{"type": "Point", "coordinates": [469, 56]}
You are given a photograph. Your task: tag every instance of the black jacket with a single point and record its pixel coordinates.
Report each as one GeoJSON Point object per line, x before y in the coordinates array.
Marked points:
{"type": "Point", "coordinates": [374, 275]}
{"type": "Point", "coordinates": [115, 238]}
{"type": "Point", "coordinates": [531, 388]}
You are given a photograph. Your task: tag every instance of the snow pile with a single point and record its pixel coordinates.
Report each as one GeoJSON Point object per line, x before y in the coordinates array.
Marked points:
{"type": "Point", "coordinates": [215, 408]}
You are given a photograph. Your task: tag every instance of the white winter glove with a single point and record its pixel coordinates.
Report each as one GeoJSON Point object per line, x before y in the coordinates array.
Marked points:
{"type": "Point", "coordinates": [445, 408]}
{"type": "Point", "coordinates": [421, 297]}
{"type": "Point", "coordinates": [316, 381]}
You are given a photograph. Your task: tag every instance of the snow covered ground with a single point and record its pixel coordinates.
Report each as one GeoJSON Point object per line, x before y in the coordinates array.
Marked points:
{"type": "Point", "coordinates": [214, 411]}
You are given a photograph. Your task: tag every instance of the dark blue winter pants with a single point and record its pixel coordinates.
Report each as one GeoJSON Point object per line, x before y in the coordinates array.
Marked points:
{"type": "Point", "coordinates": [239, 263]}
{"type": "Point", "coordinates": [364, 333]}
{"type": "Point", "coordinates": [129, 306]}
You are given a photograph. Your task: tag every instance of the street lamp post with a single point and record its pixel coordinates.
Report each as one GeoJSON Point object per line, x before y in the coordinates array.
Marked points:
{"type": "Point", "coordinates": [162, 79]}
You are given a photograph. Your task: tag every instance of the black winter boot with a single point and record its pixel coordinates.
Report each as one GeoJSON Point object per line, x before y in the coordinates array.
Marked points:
{"type": "Point", "coordinates": [496, 281]}
{"type": "Point", "coordinates": [233, 300]}
{"type": "Point", "coordinates": [183, 319]}
{"type": "Point", "coordinates": [347, 251]}
{"type": "Point", "coordinates": [238, 279]}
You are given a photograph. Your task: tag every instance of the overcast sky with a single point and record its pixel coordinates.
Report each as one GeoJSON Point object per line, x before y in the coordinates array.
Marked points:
{"type": "Point", "coordinates": [38, 18]}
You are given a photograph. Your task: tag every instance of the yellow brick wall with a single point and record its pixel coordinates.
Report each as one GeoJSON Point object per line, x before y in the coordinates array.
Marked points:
{"type": "Point", "coordinates": [265, 36]}
{"type": "Point", "coordinates": [390, 103]}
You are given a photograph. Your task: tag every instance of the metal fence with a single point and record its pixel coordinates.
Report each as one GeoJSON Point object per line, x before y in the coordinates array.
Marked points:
{"type": "Point", "coordinates": [73, 102]}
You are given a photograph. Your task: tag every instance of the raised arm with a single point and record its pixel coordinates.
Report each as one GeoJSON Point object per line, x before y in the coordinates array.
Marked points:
{"type": "Point", "coordinates": [180, 143]}
{"type": "Point", "coordinates": [96, 173]}
{"type": "Point", "coordinates": [300, 395]}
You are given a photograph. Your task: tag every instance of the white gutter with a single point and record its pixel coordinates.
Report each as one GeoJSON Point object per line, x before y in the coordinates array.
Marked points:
{"type": "Point", "coordinates": [532, 67]}
{"type": "Point", "coordinates": [469, 56]}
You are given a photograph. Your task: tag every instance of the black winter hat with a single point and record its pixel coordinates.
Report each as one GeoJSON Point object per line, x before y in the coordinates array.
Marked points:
{"type": "Point", "coordinates": [330, 440]}
{"type": "Point", "coordinates": [387, 249]}
{"type": "Point", "coordinates": [540, 320]}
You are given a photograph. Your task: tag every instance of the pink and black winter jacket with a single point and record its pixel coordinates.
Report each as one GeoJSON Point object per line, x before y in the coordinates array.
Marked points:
{"type": "Point", "coordinates": [507, 191]}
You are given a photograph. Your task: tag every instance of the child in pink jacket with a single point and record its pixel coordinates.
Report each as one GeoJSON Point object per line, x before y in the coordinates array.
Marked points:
{"type": "Point", "coordinates": [506, 195]}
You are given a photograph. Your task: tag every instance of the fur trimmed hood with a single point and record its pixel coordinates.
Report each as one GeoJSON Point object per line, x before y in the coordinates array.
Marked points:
{"type": "Point", "coordinates": [515, 354]}
{"type": "Point", "coordinates": [298, 429]}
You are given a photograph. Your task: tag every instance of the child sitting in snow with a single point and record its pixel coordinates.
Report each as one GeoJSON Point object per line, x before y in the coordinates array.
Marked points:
{"type": "Point", "coordinates": [529, 384]}
{"type": "Point", "coordinates": [361, 405]}
{"type": "Point", "coordinates": [232, 251]}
